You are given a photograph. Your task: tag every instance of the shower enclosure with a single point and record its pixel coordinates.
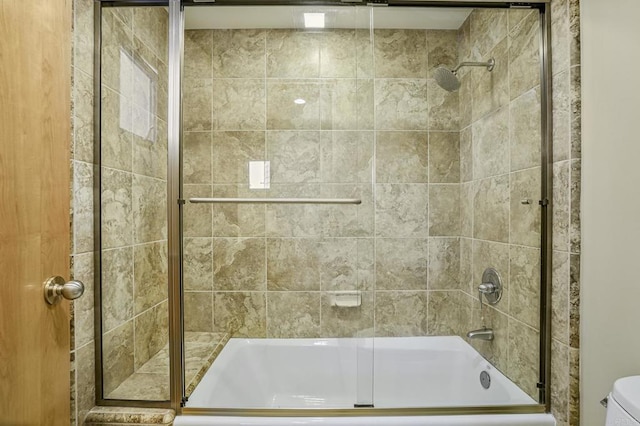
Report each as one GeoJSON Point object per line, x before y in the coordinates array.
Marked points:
{"type": "Point", "coordinates": [305, 176]}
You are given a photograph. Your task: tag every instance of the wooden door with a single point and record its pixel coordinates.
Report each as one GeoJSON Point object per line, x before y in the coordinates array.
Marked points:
{"type": "Point", "coordinates": [35, 84]}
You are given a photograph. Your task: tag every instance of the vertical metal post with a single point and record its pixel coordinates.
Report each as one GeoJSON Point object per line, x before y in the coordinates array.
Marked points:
{"type": "Point", "coordinates": [546, 252]}
{"type": "Point", "coordinates": [176, 363]}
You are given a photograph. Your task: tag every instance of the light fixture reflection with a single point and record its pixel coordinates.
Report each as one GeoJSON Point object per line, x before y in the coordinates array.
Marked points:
{"type": "Point", "coordinates": [299, 101]}
{"type": "Point", "coordinates": [314, 20]}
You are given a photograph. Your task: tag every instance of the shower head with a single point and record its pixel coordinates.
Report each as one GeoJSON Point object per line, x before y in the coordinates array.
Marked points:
{"type": "Point", "coordinates": [448, 79]}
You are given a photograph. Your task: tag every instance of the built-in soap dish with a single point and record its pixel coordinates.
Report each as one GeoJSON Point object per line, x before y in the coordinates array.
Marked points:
{"type": "Point", "coordinates": [345, 299]}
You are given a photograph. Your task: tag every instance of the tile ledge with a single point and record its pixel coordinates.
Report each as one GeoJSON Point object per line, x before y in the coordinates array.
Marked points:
{"type": "Point", "coordinates": [129, 415]}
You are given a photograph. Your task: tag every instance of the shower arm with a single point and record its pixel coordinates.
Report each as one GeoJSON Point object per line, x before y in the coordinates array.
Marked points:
{"type": "Point", "coordinates": [489, 65]}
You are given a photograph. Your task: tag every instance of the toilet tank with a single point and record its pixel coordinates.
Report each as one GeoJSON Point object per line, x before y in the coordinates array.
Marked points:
{"type": "Point", "coordinates": [623, 408]}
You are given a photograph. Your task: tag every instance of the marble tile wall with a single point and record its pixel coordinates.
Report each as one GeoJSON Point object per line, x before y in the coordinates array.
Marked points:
{"type": "Point", "coordinates": [374, 126]}
{"type": "Point", "coordinates": [134, 162]}
{"type": "Point", "coordinates": [500, 153]}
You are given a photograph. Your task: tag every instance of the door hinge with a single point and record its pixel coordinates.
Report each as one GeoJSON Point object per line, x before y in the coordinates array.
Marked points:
{"type": "Point", "coordinates": [544, 202]}
{"type": "Point", "coordinates": [181, 201]}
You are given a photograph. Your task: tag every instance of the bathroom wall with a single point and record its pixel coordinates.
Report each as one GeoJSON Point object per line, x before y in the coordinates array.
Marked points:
{"type": "Point", "coordinates": [134, 188]}
{"type": "Point", "coordinates": [609, 315]}
{"type": "Point", "coordinates": [374, 126]}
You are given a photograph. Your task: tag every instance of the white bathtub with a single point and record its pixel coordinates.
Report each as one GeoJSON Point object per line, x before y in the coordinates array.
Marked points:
{"type": "Point", "coordinates": [337, 373]}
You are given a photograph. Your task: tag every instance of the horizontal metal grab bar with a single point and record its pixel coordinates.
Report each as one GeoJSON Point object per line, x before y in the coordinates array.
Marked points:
{"type": "Point", "coordinates": [275, 201]}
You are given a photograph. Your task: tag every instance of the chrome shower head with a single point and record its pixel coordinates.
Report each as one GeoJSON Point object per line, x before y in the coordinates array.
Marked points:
{"type": "Point", "coordinates": [448, 79]}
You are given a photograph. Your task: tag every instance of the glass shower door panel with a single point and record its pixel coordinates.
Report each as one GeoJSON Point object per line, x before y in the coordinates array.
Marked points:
{"type": "Point", "coordinates": [278, 256]}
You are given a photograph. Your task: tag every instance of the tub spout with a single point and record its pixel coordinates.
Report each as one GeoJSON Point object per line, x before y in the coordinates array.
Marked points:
{"type": "Point", "coordinates": [482, 334]}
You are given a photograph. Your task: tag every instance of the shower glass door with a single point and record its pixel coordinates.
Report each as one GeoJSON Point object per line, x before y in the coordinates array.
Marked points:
{"type": "Point", "coordinates": [278, 243]}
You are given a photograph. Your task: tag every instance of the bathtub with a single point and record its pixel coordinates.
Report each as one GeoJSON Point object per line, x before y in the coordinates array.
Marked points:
{"type": "Point", "coordinates": [395, 372]}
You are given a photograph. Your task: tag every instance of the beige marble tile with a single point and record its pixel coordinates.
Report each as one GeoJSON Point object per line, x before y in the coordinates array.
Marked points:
{"type": "Point", "coordinates": [442, 48]}
{"type": "Point", "coordinates": [561, 205]}
{"type": "Point", "coordinates": [525, 219]}
{"type": "Point", "coordinates": [232, 152]}
{"type": "Point", "coordinates": [400, 53]}
{"type": "Point", "coordinates": [523, 357]}
{"type": "Point", "coordinates": [401, 104]}
{"type": "Point", "coordinates": [346, 156]}
{"type": "Point", "coordinates": [401, 264]}
{"type": "Point", "coordinates": [560, 382]}
{"type": "Point", "coordinates": [116, 37]}
{"type": "Point", "coordinates": [150, 156]}
{"type": "Point", "coordinates": [294, 156]}
{"type": "Point", "coordinates": [117, 287]}
{"type": "Point", "coordinates": [402, 157]}
{"type": "Point", "coordinates": [116, 140]}
{"type": "Point", "coordinates": [364, 48]}
{"type": "Point", "coordinates": [85, 380]}
{"type": "Point", "coordinates": [488, 28]}
{"type": "Point", "coordinates": [443, 108]}
{"type": "Point", "coordinates": [83, 36]}
{"type": "Point", "coordinates": [149, 209]}
{"type": "Point", "coordinates": [524, 285]}
{"type": "Point", "coordinates": [241, 314]}
{"type": "Point", "coordinates": [83, 213]}
{"type": "Point", "coordinates": [491, 209]}
{"type": "Point", "coordinates": [346, 264]}
{"type": "Point", "coordinates": [196, 218]}
{"type": "Point", "coordinates": [152, 333]}
{"type": "Point", "coordinates": [574, 301]}
{"type": "Point", "coordinates": [524, 130]}
{"type": "Point", "coordinates": [347, 220]}
{"type": "Point", "coordinates": [198, 54]}
{"type": "Point", "coordinates": [562, 116]}
{"type": "Point", "coordinates": [517, 15]}
{"type": "Point", "coordinates": [346, 104]}
{"type": "Point", "coordinates": [117, 353]}
{"type": "Point", "coordinates": [239, 264]}
{"type": "Point", "coordinates": [150, 275]}
{"type": "Point", "coordinates": [488, 254]}
{"type": "Point", "coordinates": [198, 311]}
{"type": "Point", "coordinates": [82, 116]}
{"type": "Point", "coordinates": [198, 264]}
{"type": "Point", "coordinates": [524, 56]}
{"type": "Point", "coordinates": [237, 220]}
{"type": "Point", "coordinates": [444, 157]}
{"type": "Point", "coordinates": [151, 24]}
{"type": "Point", "coordinates": [466, 266]}
{"type": "Point", "coordinates": [197, 104]}
{"type": "Point", "coordinates": [464, 40]}
{"type": "Point", "coordinates": [338, 58]}
{"type": "Point", "coordinates": [401, 210]}
{"type": "Point", "coordinates": [347, 322]}
{"type": "Point", "coordinates": [101, 414]}
{"type": "Point", "coordinates": [467, 194]}
{"type": "Point", "coordinates": [466, 155]}
{"type": "Point", "coordinates": [560, 288]}
{"type": "Point", "coordinates": [239, 53]}
{"type": "Point", "coordinates": [444, 264]}
{"type": "Point", "coordinates": [465, 97]}
{"type": "Point", "coordinates": [490, 89]}
{"type": "Point", "coordinates": [293, 264]}
{"type": "Point", "coordinates": [560, 36]}
{"type": "Point", "coordinates": [574, 387]}
{"type": "Point", "coordinates": [444, 210]}
{"type": "Point", "coordinates": [239, 104]}
{"type": "Point", "coordinates": [490, 137]}
{"type": "Point", "coordinates": [574, 212]}
{"type": "Point", "coordinates": [496, 351]}
{"type": "Point", "coordinates": [292, 54]}
{"type": "Point", "coordinates": [444, 314]}
{"type": "Point", "coordinates": [83, 308]}
{"type": "Point", "coordinates": [142, 386]}
{"type": "Point", "coordinates": [291, 220]}
{"type": "Point", "coordinates": [293, 314]}
{"type": "Point", "coordinates": [196, 157]}
{"type": "Point", "coordinates": [283, 113]}
{"type": "Point", "coordinates": [401, 313]}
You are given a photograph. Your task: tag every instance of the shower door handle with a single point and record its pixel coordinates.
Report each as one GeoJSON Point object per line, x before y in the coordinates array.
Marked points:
{"type": "Point", "coordinates": [55, 288]}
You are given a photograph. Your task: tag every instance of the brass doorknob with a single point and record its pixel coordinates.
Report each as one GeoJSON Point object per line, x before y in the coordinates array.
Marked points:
{"type": "Point", "coordinates": [55, 288]}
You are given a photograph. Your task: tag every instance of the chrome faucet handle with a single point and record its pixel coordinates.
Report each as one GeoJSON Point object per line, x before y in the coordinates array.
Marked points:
{"type": "Point", "coordinates": [491, 287]}
{"type": "Point", "coordinates": [487, 288]}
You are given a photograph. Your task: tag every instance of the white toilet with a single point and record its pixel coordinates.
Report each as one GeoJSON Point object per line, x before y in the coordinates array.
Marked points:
{"type": "Point", "coordinates": [623, 406]}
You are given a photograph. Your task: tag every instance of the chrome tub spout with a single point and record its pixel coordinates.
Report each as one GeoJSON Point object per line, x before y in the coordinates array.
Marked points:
{"type": "Point", "coordinates": [481, 334]}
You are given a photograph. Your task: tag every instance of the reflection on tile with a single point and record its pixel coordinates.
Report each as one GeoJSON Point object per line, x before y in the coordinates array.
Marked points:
{"type": "Point", "coordinates": [293, 315]}
{"type": "Point", "coordinates": [347, 322]}
{"type": "Point", "coordinates": [444, 157]}
{"type": "Point", "coordinates": [491, 209]}
{"type": "Point", "coordinates": [293, 264]}
{"type": "Point", "coordinates": [401, 104]}
{"type": "Point", "coordinates": [444, 263]}
{"type": "Point", "coordinates": [196, 157]}
{"type": "Point", "coordinates": [401, 264]}
{"type": "Point", "coordinates": [232, 152]}
{"type": "Point", "coordinates": [401, 210]}
{"type": "Point", "coordinates": [400, 53]}
{"type": "Point", "coordinates": [151, 332]}
{"type": "Point", "coordinates": [525, 218]}
{"type": "Point", "coordinates": [239, 53]}
{"type": "Point", "coordinates": [524, 130]}
{"type": "Point", "coordinates": [401, 313]}
{"type": "Point", "coordinates": [283, 112]}
{"type": "Point", "coordinates": [402, 157]}
{"type": "Point", "coordinates": [524, 285]}
{"type": "Point", "coordinates": [240, 314]}
{"type": "Point", "coordinates": [117, 287]}
{"type": "Point", "coordinates": [117, 353]}
{"type": "Point", "coordinates": [198, 264]}
{"type": "Point", "coordinates": [150, 277]}
{"type": "Point", "coordinates": [239, 264]}
{"type": "Point", "coordinates": [238, 104]}
{"type": "Point", "coordinates": [444, 210]}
